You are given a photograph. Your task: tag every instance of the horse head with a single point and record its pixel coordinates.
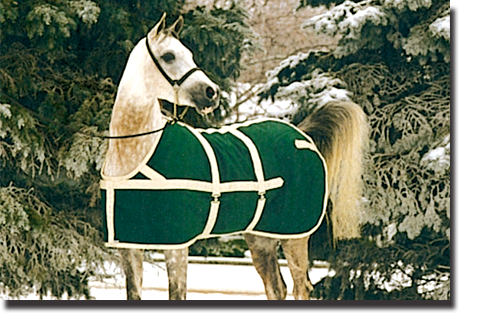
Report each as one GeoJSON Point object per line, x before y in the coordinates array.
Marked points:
{"type": "Point", "coordinates": [159, 68]}
{"type": "Point", "coordinates": [190, 85]}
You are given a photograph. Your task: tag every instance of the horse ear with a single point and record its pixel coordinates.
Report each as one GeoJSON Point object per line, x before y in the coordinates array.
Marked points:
{"type": "Point", "coordinates": [160, 26]}
{"type": "Point", "coordinates": [177, 26]}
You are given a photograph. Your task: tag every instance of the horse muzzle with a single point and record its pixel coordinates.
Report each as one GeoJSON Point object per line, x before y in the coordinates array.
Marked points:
{"type": "Point", "coordinates": [205, 97]}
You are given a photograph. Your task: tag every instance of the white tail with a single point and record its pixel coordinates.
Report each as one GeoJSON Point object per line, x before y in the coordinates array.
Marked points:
{"type": "Point", "coordinates": [340, 131]}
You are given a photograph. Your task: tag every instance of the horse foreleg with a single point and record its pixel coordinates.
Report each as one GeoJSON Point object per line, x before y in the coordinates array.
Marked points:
{"type": "Point", "coordinates": [132, 264]}
{"type": "Point", "coordinates": [177, 264]}
{"type": "Point", "coordinates": [265, 261]}
{"type": "Point", "coordinates": [296, 253]}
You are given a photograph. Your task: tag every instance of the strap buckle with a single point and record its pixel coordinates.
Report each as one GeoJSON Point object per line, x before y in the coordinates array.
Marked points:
{"type": "Point", "coordinates": [215, 197]}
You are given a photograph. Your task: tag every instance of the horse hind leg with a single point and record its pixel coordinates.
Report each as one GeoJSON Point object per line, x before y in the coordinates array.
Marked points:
{"type": "Point", "coordinates": [296, 254]}
{"type": "Point", "coordinates": [132, 264]}
{"type": "Point", "coordinates": [265, 261]}
{"type": "Point", "coordinates": [176, 265]}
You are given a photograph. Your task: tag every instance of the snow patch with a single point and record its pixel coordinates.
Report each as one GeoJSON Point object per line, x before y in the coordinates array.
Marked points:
{"type": "Point", "coordinates": [441, 27]}
{"type": "Point", "coordinates": [5, 111]}
{"type": "Point", "coordinates": [347, 18]}
{"type": "Point", "coordinates": [253, 108]}
{"type": "Point", "coordinates": [439, 156]}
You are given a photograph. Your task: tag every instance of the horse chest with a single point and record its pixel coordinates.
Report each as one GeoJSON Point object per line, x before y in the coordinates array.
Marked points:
{"type": "Point", "coordinates": [264, 177]}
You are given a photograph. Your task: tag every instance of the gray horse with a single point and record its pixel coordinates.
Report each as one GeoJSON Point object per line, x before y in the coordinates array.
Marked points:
{"type": "Point", "coordinates": [160, 67]}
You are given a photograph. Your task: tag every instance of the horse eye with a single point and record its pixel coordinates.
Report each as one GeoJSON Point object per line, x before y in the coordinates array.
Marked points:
{"type": "Point", "coordinates": [168, 57]}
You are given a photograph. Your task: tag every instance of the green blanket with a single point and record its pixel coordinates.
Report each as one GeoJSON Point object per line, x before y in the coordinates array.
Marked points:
{"type": "Point", "coordinates": [262, 177]}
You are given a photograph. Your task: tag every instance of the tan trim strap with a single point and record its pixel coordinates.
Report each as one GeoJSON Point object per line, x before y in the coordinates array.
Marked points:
{"type": "Point", "coordinates": [211, 220]}
{"type": "Point", "coordinates": [258, 213]}
{"type": "Point", "coordinates": [216, 182]}
{"type": "Point", "coordinates": [109, 208]}
{"type": "Point", "coordinates": [152, 174]}
{"type": "Point", "coordinates": [191, 185]}
{"type": "Point", "coordinates": [117, 244]}
{"type": "Point", "coordinates": [256, 159]}
{"type": "Point", "coordinates": [304, 144]}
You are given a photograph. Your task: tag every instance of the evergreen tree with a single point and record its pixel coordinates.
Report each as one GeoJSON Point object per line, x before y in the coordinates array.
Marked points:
{"type": "Point", "coordinates": [60, 63]}
{"type": "Point", "coordinates": [392, 58]}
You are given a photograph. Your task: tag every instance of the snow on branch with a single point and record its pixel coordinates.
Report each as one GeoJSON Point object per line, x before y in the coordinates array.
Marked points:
{"type": "Point", "coordinates": [320, 89]}
{"type": "Point", "coordinates": [441, 27]}
{"type": "Point", "coordinates": [346, 19]}
{"type": "Point", "coordinates": [350, 22]}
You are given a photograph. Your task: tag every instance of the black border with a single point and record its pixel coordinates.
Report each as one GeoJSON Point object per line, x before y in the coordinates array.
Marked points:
{"type": "Point", "coordinates": [225, 304]}
{"type": "Point", "coordinates": [298, 307]}
{"type": "Point", "coordinates": [455, 151]}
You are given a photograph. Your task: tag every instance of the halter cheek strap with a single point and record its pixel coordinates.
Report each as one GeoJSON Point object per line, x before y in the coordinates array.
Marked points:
{"type": "Point", "coordinates": [175, 83]}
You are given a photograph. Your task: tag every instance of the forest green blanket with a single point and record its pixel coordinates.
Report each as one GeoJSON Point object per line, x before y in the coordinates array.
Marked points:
{"type": "Point", "coordinates": [262, 177]}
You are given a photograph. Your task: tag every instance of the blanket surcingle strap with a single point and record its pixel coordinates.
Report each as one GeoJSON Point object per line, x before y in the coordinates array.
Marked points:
{"type": "Point", "coordinates": [264, 177]}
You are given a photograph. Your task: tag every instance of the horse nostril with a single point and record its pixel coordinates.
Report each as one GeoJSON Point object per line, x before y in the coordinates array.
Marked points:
{"type": "Point", "coordinates": [210, 92]}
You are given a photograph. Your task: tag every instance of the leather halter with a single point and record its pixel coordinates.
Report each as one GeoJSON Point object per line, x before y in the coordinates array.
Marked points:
{"type": "Point", "coordinates": [175, 83]}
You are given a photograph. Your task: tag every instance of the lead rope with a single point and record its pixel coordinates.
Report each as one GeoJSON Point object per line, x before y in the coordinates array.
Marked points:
{"type": "Point", "coordinates": [137, 134]}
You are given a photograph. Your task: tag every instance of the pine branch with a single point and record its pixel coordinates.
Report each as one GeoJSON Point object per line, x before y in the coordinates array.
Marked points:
{"type": "Point", "coordinates": [42, 120]}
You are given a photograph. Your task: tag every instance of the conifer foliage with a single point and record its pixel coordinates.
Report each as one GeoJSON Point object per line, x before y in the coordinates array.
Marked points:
{"type": "Point", "coordinates": [60, 63]}
{"type": "Point", "coordinates": [393, 58]}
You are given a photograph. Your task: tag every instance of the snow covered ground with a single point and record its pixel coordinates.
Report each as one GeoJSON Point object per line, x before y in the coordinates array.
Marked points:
{"type": "Point", "coordinates": [238, 281]}
{"type": "Point", "coordinates": [205, 282]}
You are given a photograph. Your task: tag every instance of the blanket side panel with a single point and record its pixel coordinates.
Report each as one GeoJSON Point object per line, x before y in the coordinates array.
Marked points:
{"type": "Point", "coordinates": [297, 207]}
{"type": "Point", "coordinates": [180, 155]}
{"type": "Point", "coordinates": [235, 164]}
{"type": "Point", "coordinates": [160, 217]}
{"type": "Point", "coordinates": [166, 216]}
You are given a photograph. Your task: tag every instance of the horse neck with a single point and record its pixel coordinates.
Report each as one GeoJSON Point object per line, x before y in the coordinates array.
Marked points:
{"type": "Point", "coordinates": [136, 110]}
